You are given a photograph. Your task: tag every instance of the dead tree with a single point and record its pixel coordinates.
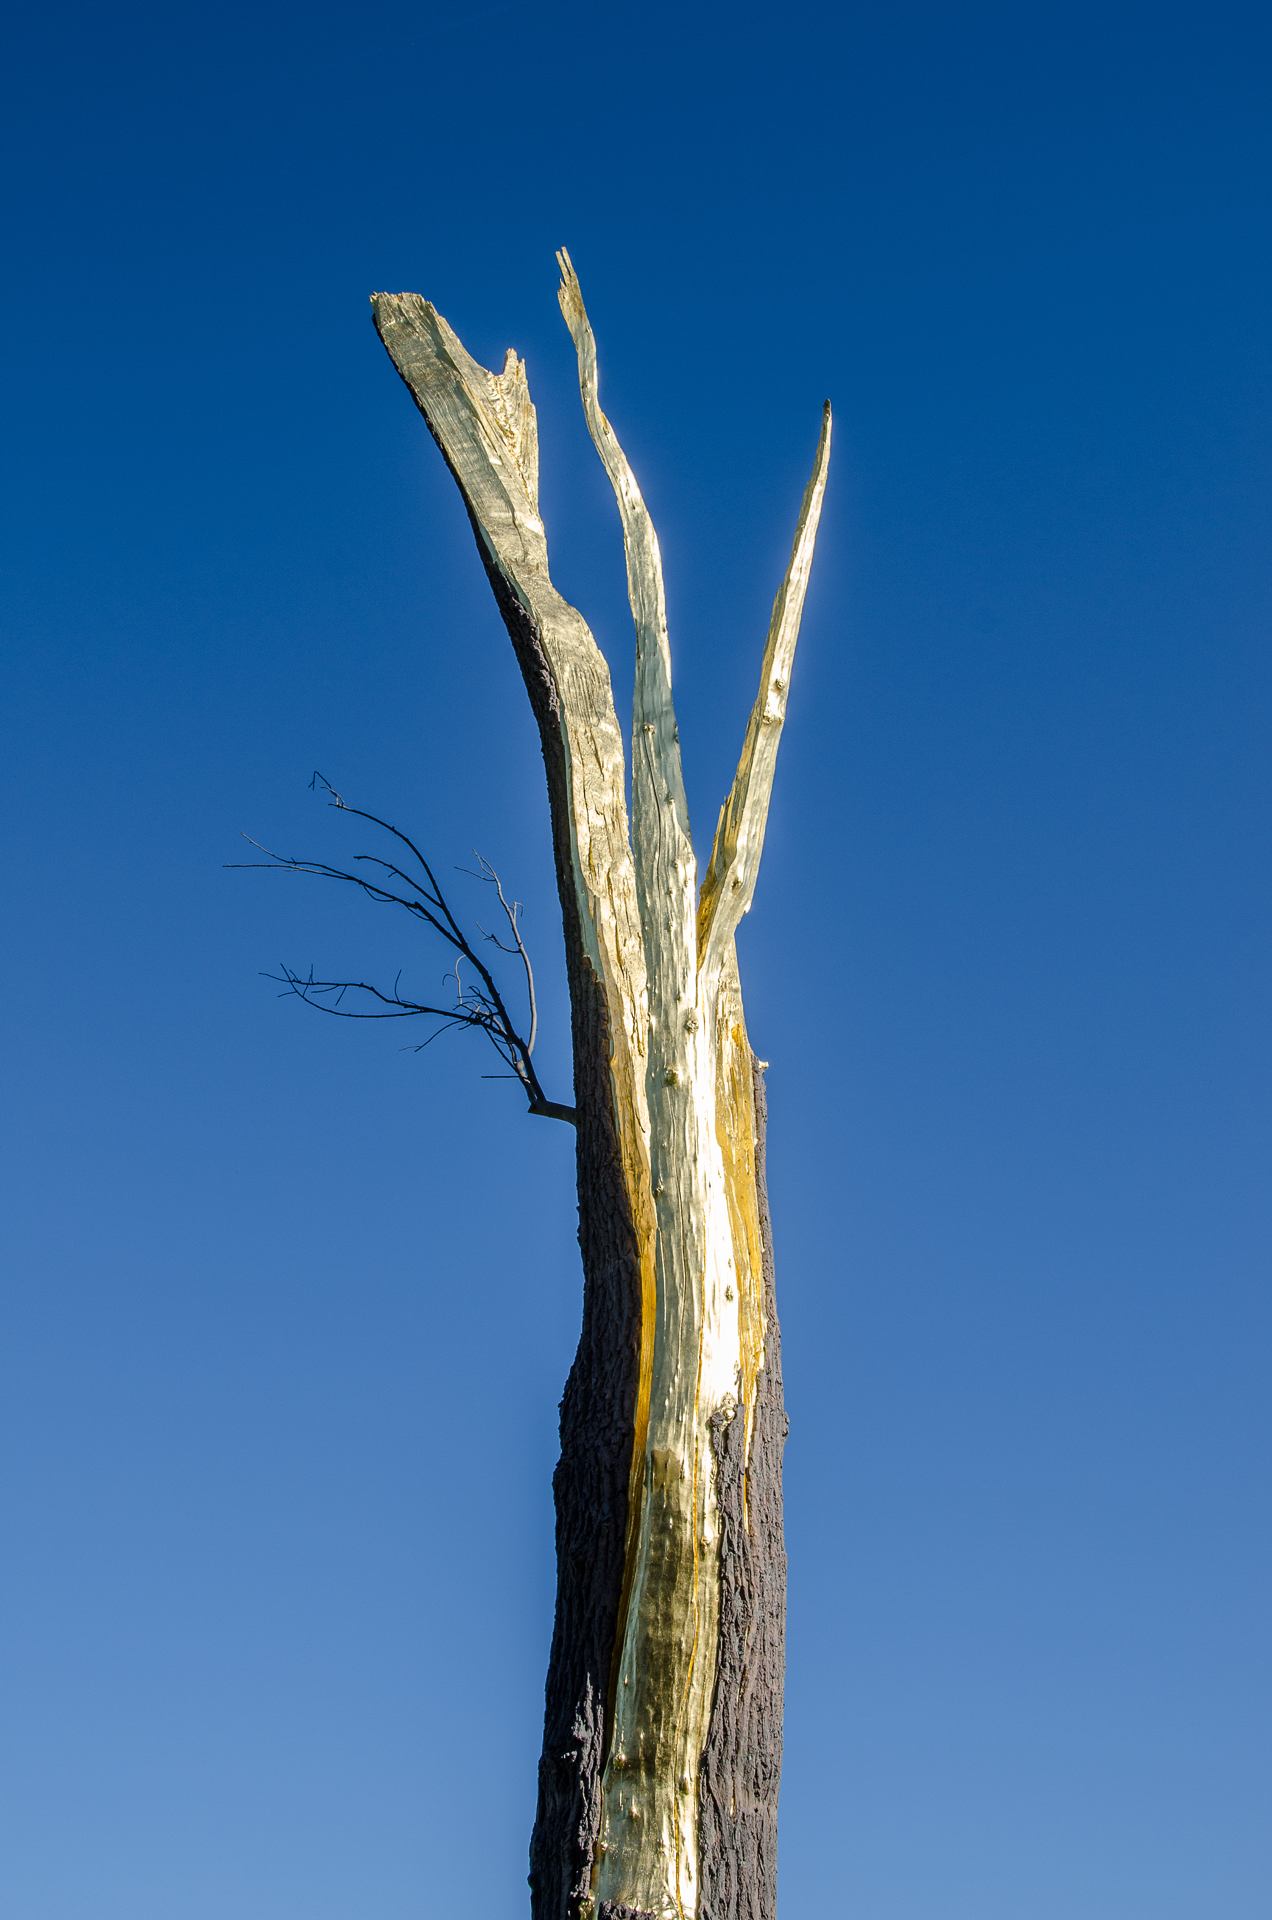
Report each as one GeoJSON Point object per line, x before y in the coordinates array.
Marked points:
{"type": "Point", "coordinates": [658, 1780]}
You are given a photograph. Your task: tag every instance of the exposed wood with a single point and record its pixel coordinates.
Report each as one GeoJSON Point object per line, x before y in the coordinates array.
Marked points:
{"type": "Point", "coordinates": [485, 425]}
{"type": "Point", "coordinates": [729, 886]}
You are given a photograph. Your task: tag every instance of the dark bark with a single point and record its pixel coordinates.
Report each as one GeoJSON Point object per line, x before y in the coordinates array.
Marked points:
{"type": "Point", "coordinates": [598, 1408]}
{"type": "Point", "coordinates": [590, 1488]}
{"type": "Point", "coordinates": [742, 1762]}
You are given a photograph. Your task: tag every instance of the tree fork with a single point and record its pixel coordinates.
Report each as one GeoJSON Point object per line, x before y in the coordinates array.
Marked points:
{"type": "Point", "coordinates": [662, 1736]}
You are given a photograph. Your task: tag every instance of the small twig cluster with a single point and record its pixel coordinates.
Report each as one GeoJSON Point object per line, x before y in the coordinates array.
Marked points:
{"type": "Point", "coordinates": [478, 1000]}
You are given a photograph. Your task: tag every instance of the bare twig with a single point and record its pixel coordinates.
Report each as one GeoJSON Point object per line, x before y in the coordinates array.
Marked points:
{"type": "Point", "coordinates": [479, 1004]}
{"type": "Point", "coordinates": [511, 914]}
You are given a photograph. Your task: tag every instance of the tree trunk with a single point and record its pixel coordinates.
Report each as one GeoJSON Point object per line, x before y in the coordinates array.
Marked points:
{"type": "Point", "coordinates": [662, 1735]}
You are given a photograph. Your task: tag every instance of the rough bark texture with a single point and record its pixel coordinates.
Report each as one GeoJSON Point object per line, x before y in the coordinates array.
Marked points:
{"type": "Point", "coordinates": [742, 1763]}
{"type": "Point", "coordinates": [591, 1482]}
{"type": "Point", "coordinates": [591, 1491]}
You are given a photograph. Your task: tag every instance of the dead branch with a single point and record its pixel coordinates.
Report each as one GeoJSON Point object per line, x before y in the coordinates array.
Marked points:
{"type": "Point", "coordinates": [478, 1003]}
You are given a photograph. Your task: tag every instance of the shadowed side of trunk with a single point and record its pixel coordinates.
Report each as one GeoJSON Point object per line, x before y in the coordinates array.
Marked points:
{"type": "Point", "coordinates": [591, 1483]}
{"type": "Point", "coordinates": [590, 1488]}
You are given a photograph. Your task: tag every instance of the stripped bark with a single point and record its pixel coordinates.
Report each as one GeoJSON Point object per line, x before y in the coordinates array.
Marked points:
{"type": "Point", "coordinates": [662, 1738]}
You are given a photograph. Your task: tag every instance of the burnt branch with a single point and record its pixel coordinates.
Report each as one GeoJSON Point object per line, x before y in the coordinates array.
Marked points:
{"type": "Point", "coordinates": [478, 1001]}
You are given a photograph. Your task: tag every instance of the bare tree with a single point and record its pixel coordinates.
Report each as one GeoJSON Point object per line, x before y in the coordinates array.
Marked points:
{"type": "Point", "coordinates": [658, 1780]}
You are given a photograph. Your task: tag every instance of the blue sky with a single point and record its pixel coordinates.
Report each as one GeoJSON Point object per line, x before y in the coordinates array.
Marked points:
{"type": "Point", "coordinates": [288, 1310]}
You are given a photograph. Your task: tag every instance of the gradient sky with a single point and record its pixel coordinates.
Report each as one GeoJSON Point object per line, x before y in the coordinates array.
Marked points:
{"type": "Point", "coordinates": [288, 1310]}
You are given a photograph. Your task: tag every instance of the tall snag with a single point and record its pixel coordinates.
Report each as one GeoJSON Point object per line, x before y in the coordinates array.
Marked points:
{"type": "Point", "coordinates": [662, 1738]}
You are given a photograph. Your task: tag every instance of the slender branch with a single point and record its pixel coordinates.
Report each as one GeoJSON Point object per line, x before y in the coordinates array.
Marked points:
{"type": "Point", "coordinates": [320, 781]}
{"type": "Point", "coordinates": [480, 1005]}
{"type": "Point", "coordinates": [306, 987]}
{"type": "Point", "coordinates": [511, 914]}
{"type": "Point", "coordinates": [654, 719]}
{"type": "Point", "coordinates": [729, 885]}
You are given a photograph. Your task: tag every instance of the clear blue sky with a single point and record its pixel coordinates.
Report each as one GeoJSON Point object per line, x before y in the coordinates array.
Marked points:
{"type": "Point", "coordinates": [288, 1311]}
